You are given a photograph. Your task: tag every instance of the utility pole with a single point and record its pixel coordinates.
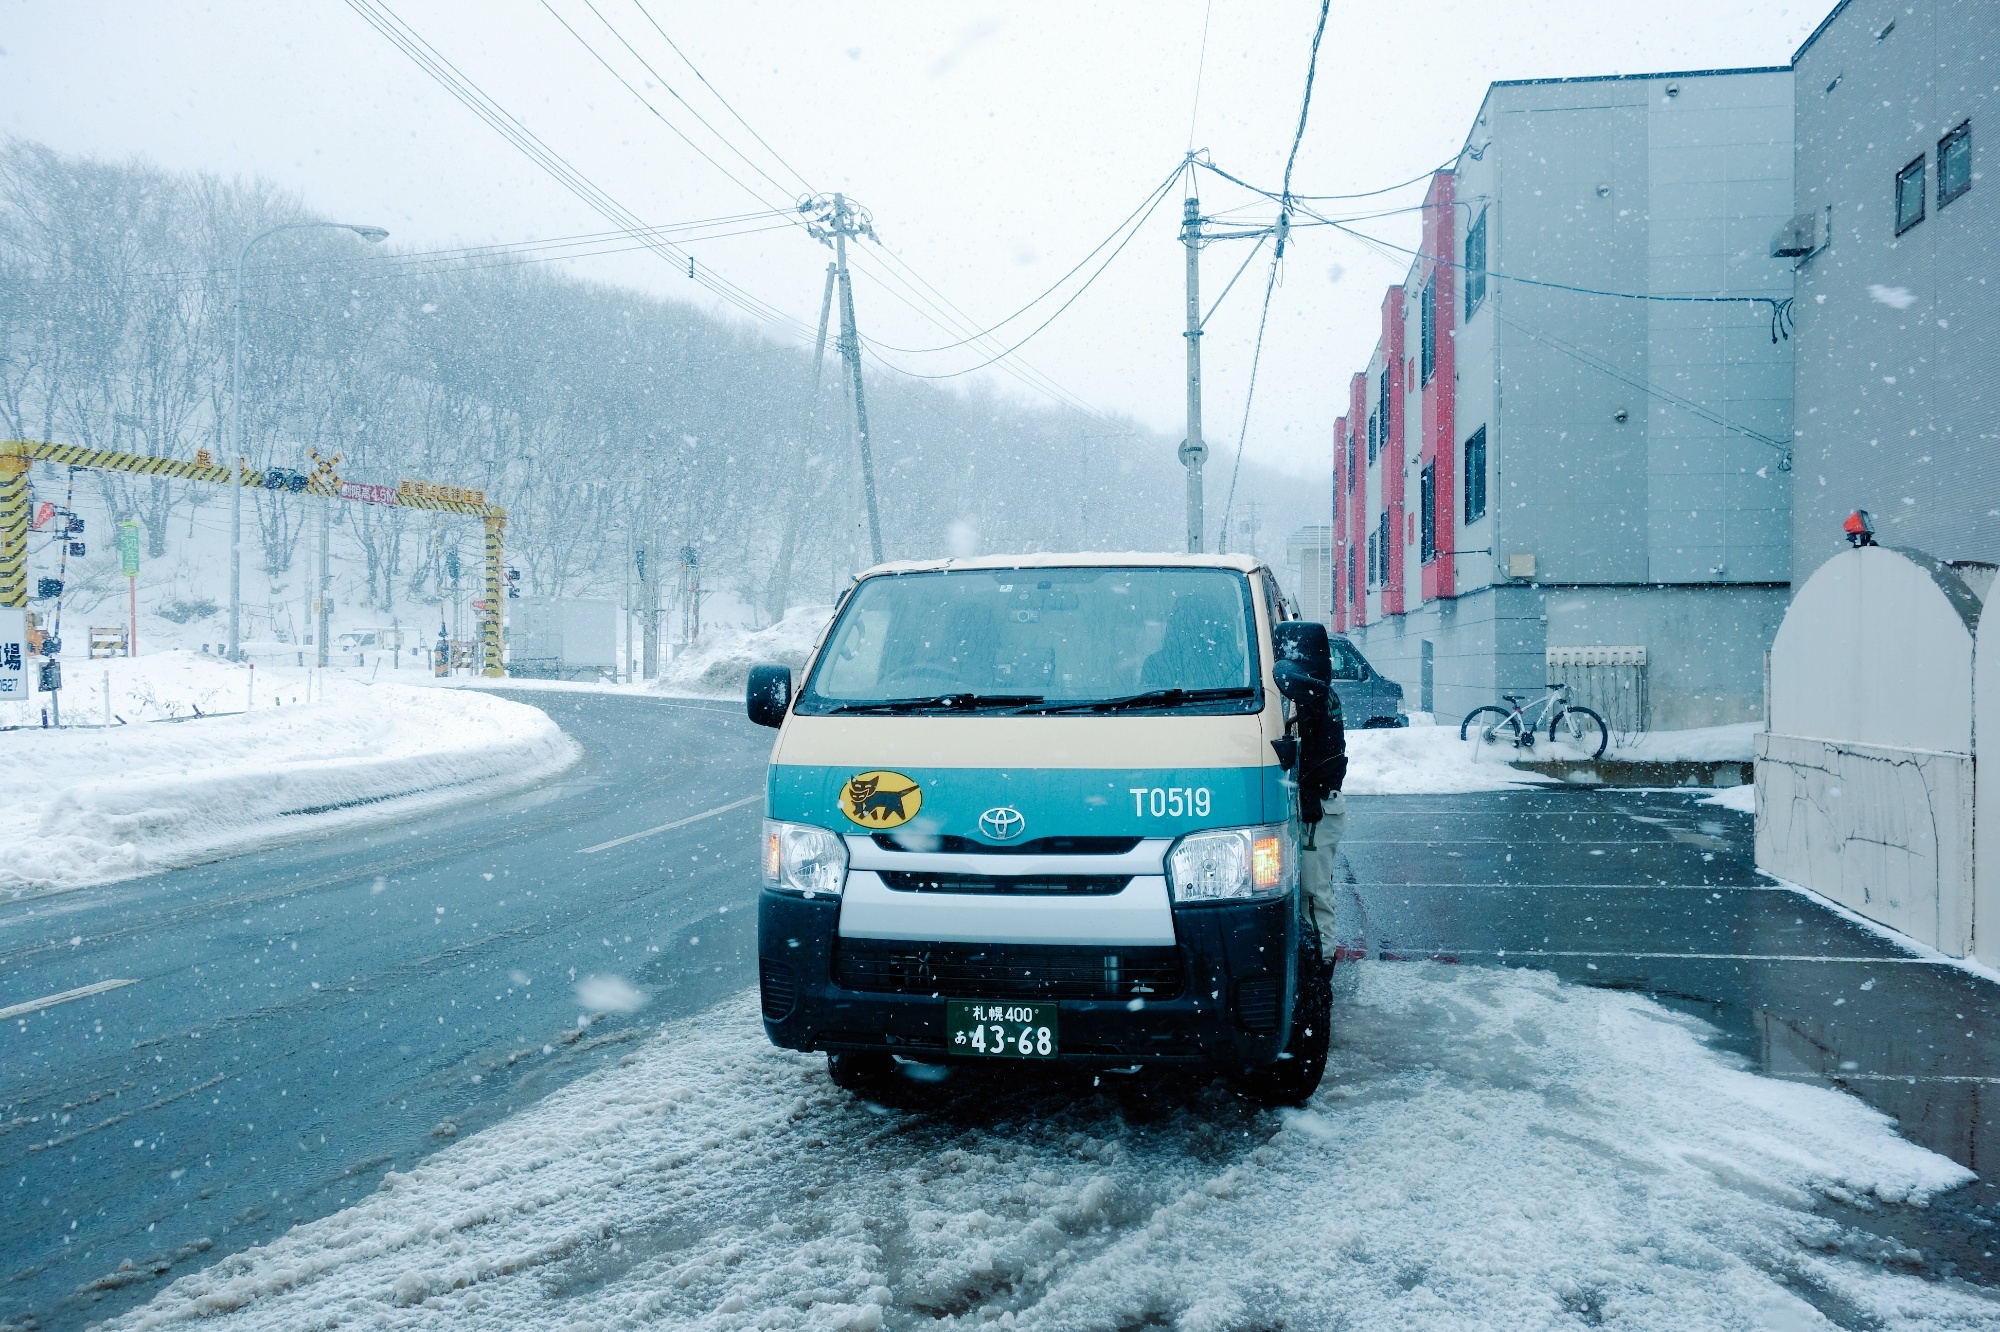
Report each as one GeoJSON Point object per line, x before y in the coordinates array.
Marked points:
{"type": "Point", "coordinates": [833, 219]}
{"type": "Point", "coordinates": [649, 591]}
{"type": "Point", "coordinates": [323, 584]}
{"type": "Point", "coordinates": [1193, 451]}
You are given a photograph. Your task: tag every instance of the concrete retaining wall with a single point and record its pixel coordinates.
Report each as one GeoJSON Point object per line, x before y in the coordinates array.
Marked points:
{"type": "Point", "coordinates": [1866, 781]}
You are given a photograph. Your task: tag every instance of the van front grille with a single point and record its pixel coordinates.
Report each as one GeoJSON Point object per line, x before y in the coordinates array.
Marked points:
{"type": "Point", "coordinates": [1029, 885]}
{"type": "Point", "coordinates": [1007, 971]}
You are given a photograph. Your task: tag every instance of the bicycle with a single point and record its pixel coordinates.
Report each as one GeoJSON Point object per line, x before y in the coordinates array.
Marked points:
{"type": "Point", "coordinates": [1574, 725]}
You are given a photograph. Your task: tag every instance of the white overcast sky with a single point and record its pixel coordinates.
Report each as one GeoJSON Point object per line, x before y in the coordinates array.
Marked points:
{"type": "Point", "coordinates": [995, 144]}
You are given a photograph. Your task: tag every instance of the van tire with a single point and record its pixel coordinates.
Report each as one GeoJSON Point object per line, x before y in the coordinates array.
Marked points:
{"type": "Point", "coordinates": [1295, 1076]}
{"type": "Point", "coordinates": [858, 1071]}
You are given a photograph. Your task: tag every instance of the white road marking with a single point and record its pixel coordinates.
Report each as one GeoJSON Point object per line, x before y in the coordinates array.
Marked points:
{"type": "Point", "coordinates": [1702, 957]}
{"type": "Point", "coordinates": [51, 1000]}
{"type": "Point", "coordinates": [677, 823]}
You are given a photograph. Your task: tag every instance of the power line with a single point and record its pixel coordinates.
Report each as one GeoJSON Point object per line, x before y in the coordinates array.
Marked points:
{"type": "Point", "coordinates": [1153, 202]}
{"type": "Point", "coordinates": [1277, 258]}
{"type": "Point", "coordinates": [1149, 200]}
{"type": "Point", "coordinates": [379, 15]}
{"type": "Point", "coordinates": [636, 4]}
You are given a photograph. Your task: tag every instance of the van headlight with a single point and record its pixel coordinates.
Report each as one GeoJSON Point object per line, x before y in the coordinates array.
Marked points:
{"type": "Point", "coordinates": [1233, 864]}
{"type": "Point", "coordinates": [803, 859]}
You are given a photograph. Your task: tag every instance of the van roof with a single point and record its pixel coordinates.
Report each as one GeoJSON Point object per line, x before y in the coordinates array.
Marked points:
{"type": "Point", "coordinates": [1099, 558]}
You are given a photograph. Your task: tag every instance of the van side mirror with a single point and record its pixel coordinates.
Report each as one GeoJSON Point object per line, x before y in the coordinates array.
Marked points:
{"type": "Point", "coordinates": [769, 694]}
{"type": "Point", "coordinates": [1304, 668]}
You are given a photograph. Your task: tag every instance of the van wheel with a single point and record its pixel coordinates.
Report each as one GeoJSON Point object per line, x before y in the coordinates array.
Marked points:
{"type": "Point", "coordinates": [858, 1070]}
{"type": "Point", "coordinates": [1296, 1074]}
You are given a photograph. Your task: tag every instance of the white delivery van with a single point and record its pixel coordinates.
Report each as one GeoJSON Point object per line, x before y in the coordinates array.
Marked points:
{"type": "Point", "coordinates": [1050, 808]}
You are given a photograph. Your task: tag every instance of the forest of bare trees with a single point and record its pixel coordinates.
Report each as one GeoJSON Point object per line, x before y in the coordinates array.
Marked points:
{"type": "Point", "coordinates": [602, 418]}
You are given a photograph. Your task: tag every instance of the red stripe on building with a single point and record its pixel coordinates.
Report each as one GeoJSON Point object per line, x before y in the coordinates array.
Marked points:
{"type": "Point", "coordinates": [1392, 424]}
{"type": "Point", "coordinates": [1440, 447]}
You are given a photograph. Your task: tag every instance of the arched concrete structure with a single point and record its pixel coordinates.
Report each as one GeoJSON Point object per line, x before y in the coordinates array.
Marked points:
{"type": "Point", "coordinates": [1986, 796]}
{"type": "Point", "coordinates": [1865, 779]}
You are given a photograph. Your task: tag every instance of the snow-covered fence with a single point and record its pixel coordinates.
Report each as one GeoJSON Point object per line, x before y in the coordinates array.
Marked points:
{"type": "Point", "coordinates": [1865, 779]}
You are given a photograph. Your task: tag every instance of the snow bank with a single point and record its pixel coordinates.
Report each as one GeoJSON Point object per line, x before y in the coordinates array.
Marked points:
{"type": "Point", "coordinates": [90, 805]}
{"type": "Point", "coordinates": [719, 663]}
{"type": "Point", "coordinates": [1490, 1148]}
{"type": "Point", "coordinates": [1742, 799]}
{"type": "Point", "coordinates": [1707, 744]}
{"type": "Point", "coordinates": [1422, 760]}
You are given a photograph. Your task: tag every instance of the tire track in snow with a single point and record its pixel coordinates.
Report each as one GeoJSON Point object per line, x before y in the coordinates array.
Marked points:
{"type": "Point", "coordinates": [1490, 1146]}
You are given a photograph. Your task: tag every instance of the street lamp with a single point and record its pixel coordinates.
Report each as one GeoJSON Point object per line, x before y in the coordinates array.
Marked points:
{"type": "Point", "coordinates": [372, 235]}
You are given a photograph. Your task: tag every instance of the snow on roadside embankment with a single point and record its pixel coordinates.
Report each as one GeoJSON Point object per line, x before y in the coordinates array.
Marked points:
{"type": "Point", "coordinates": [1427, 760]}
{"type": "Point", "coordinates": [718, 665]}
{"type": "Point", "coordinates": [1489, 1148]}
{"type": "Point", "coordinates": [90, 805]}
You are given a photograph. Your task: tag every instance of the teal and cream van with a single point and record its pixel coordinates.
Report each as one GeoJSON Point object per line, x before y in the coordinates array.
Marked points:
{"type": "Point", "coordinates": [1043, 808]}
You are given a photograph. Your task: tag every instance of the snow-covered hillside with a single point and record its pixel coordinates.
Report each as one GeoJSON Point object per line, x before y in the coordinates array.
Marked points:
{"type": "Point", "coordinates": [191, 775]}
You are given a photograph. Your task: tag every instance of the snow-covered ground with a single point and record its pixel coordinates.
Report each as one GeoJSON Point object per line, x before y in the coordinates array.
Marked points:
{"type": "Point", "coordinates": [1742, 799]}
{"type": "Point", "coordinates": [1707, 744]}
{"type": "Point", "coordinates": [1428, 760]}
{"type": "Point", "coordinates": [719, 663]}
{"type": "Point", "coordinates": [1490, 1148]}
{"type": "Point", "coordinates": [90, 803]}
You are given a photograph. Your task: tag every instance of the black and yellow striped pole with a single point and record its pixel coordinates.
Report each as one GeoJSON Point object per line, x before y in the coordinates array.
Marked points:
{"type": "Point", "coordinates": [489, 621]}
{"type": "Point", "coordinates": [13, 530]}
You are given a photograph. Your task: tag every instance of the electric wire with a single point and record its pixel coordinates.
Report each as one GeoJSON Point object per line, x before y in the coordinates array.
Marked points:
{"type": "Point", "coordinates": [383, 18]}
{"type": "Point", "coordinates": [1689, 405]}
{"type": "Point", "coordinates": [582, 245]}
{"type": "Point", "coordinates": [1159, 193]}
{"type": "Point", "coordinates": [775, 154]}
{"type": "Point", "coordinates": [1029, 379]}
{"type": "Point", "coordinates": [1144, 204]}
{"type": "Point", "coordinates": [1200, 68]}
{"type": "Point", "coordinates": [1277, 259]}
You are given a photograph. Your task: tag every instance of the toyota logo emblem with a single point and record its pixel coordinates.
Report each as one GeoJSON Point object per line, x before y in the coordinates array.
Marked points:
{"type": "Point", "coordinates": [1003, 823]}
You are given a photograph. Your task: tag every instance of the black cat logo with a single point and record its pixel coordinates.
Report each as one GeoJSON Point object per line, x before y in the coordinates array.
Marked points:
{"type": "Point", "coordinates": [881, 799]}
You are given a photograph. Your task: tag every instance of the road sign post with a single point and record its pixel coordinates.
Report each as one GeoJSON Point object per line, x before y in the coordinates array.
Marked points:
{"type": "Point", "coordinates": [128, 561]}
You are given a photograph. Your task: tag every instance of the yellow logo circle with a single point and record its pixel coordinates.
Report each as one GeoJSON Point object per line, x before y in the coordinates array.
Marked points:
{"type": "Point", "coordinates": [881, 799]}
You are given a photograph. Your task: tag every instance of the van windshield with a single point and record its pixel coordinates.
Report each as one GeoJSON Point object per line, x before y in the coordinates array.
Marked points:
{"type": "Point", "coordinates": [1042, 640]}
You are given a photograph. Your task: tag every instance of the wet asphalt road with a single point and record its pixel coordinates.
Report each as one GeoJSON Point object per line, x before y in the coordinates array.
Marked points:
{"type": "Point", "coordinates": [222, 1097]}
{"type": "Point", "coordinates": [307, 1018]}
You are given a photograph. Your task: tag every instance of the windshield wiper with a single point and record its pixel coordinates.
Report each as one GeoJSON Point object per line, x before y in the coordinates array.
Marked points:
{"type": "Point", "coordinates": [1152, 698]}
{"type": "Point", "coordinates": [944, 703]}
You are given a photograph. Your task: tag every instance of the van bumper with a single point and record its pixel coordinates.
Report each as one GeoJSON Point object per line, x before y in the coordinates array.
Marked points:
{"type": "Point", "coordinates": [1231, 1007]}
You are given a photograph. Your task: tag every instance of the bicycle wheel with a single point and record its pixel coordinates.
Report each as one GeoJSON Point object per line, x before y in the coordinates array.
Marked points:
{"type": "Point", "coordinates": [1581, 728]}
{"type": "Point", "coordinates": [1493, 723]}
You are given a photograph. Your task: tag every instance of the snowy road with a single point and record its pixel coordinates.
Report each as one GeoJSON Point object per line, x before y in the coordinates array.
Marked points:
{"type": "Point", "coordinates": [1639, 1127]}
{"type": "Point", "coordinates": [303, 1019]}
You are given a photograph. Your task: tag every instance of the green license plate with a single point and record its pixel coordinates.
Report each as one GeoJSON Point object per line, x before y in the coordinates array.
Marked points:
{"type": "Point", "coordinates": [1000, 1031]}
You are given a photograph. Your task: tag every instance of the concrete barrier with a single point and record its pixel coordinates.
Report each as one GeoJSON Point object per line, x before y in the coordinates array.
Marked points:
{"type": "Point", "coordinates": [1865, 780]}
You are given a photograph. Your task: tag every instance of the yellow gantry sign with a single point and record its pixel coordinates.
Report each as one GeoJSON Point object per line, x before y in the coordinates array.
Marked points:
{"type": "Point", "coordinates": [17, 455]}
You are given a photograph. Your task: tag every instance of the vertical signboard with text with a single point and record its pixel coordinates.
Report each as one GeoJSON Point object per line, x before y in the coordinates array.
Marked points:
{"type": "Point", "coordinates": [13, 654]}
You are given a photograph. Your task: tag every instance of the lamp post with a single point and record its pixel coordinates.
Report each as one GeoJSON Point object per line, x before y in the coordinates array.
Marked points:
{"type": "Point", "coordinates": [370, 234]}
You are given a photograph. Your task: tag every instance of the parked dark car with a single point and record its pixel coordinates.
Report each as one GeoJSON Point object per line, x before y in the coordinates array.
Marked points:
{"type": "Point", "coordinates": [1367, 697]}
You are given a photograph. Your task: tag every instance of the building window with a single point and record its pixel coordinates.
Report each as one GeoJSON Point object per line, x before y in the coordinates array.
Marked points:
{"type": "Point", "coordinates": [1371, 437]}
{"type": "Point", "coordinates": [1954, 164]}
{"type": "Point", "coordinates": [1427, 490]}
{"type": "Point", "coordinates": [1382, 548]}
{"type": "Point", "coordinates": [1388, 412]}
{"type": "Point", "coordinates": [1475, 476]}
{"type": "Point", "coordinates": [1427, 319]}
{"type": "Point", "coordinates": [1353, 576]}
{"type": "Point", "coordinates": [1353, 454]}
{"type": "Point", "coordinates": [1909, 196]}
{"type": "Point", "coordinates": [1371, 559]}
{"type": "Point", "coordinates": [1475, 265]}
